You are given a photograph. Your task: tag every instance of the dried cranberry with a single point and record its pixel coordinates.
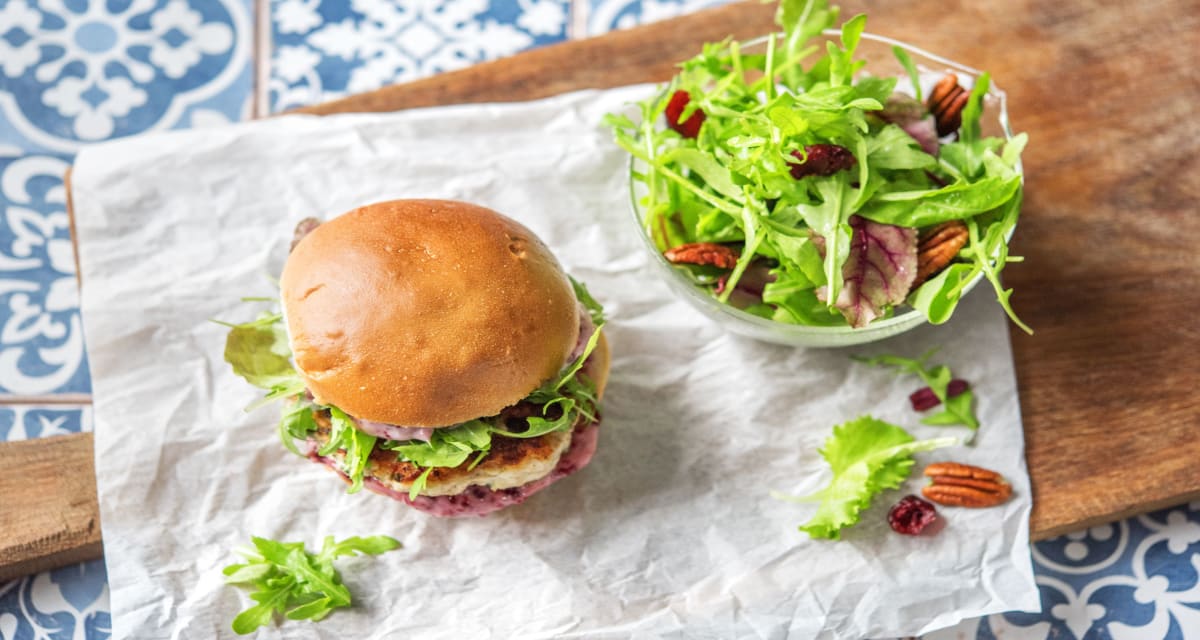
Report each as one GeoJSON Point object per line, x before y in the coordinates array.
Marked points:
{"type": "Point", "coordinates": [924, 398]}
{"type": "Point", "coordinates": [821, 160]}
{"type": "Point", "coordinates": [911, 515]}
{"type": "Point", "coordinates": [689, 128]}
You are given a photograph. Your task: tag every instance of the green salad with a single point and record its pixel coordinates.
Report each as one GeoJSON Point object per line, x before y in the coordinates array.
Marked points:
{"type": "Point", "coordinates": [791, 184]}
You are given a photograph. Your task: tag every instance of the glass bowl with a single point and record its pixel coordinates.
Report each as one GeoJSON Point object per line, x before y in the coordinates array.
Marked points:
{"type": "Point", "coordinates": [877, 50]}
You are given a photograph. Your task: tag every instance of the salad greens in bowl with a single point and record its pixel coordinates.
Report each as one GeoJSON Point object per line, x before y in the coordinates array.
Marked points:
{"type": "Point", "coordinates": [798, 196]}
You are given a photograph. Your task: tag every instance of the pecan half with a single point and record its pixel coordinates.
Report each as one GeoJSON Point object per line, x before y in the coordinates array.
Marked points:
{"type": "Point", "coordinates": [946, 103]}
{"type": "Point", "coordinates": [937, 247]}
{"type": "Point", "coordinates": [964, 485]}
{"type": "Point", "coordinates": [702, 253]}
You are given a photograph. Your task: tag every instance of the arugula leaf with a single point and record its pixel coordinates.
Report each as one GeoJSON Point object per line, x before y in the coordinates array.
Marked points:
{"type": "Point", "coordinates": [958, 410]}
{"type": "Point", "coordinates": [796, 300]}
{"type": "Point", "coordinates": [933, 206]}
{"type": "Point", "coordinates": [994, 243]}
{"type": "Point", "coordinates": [970, 130]}
{"type": "Point", "coordinates": [893, 148]}
{"type": "Point", "coordinates": [938, 296]}
{"type": "Point", "coordinates": [371, 546]}
{"type": "Point", "coordinates": [300, 565]}
{"type": "Point", "coordinates": [841, 60]}
{"type": "Point", "coordinates": [866, 456]}
{"type": "Point", "coordinates": [447, 447]}
{"type": "Point", "coordinates": [260, 614]}
{"type": "Point", "coordinates": [911, 69]}
{"type": "Point", "coordinates": [829, 220]}
{"type": "Point", "coordinates": [357, 445]}
{"type": "Point", "coordinates": [715, 175]}
{"type": "Point", "coordinates": [418, 485]}
{"type": "Point", "coordinates": [802, 20]}
{"type": "Point", "coordinates": [581, 293]}
{"type": "Point", "coordinates": [575, 366]}
{"type": "Point", "coordinates": [289, 580]}
{"type": "Point", "coordinates": [296, 422]}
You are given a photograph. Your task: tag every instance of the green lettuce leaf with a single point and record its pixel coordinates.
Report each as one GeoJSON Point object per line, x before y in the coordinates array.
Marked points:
{"type": "Point", "coordinates": [866, 456]}
{"type": "Point", "coordinates": [258, 351]}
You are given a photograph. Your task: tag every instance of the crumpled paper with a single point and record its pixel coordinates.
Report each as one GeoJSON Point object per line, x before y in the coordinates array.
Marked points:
{"type": "Point", "coordinates": [670, 532]}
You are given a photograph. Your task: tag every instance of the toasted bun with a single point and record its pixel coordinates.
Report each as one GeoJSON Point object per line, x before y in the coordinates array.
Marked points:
{"type": "Point", "coordinates": [426, 313]}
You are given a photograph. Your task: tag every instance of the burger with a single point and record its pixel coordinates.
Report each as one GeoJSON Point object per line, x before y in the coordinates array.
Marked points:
{"type": "Point", "coordinates": [433, 352]}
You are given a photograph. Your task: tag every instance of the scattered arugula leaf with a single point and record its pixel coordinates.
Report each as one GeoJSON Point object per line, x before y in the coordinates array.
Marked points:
{"type": "Point", "coordinates": [957, 410]}
{"type": "Point", "coordinates": [294, 582]}
{"type": "Point", "coordinates": [866, 456]}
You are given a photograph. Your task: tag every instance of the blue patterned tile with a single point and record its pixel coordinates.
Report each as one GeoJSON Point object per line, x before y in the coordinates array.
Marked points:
{"type": "Point", "coordinates": [22, 422]}
{"type": "Point", "coordinates": [78, 71]}
{"type": "Point", "coordinates": [324, 49]}
{"type": "Point", "coordinates": [1138, 579]}
{"type": "Point", "coordinates": [608, 15]}
{"type": "Point", "coordinates": [67, 603]}
{"type": "Point", "coordinates": [41, 337]}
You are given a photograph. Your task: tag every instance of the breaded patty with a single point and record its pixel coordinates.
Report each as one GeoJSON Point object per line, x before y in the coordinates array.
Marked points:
{"type": "Point", "coordinates": [511, 462]}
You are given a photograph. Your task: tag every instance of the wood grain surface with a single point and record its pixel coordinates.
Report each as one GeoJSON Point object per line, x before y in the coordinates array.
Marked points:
{"type": "Point", "coordinates": [47, 504]}
{"type": "Point", "coordinates": [1111, 281]}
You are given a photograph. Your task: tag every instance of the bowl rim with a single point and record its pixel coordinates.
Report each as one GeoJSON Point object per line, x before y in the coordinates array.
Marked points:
{"type": "Point", "coordinates": [804, 330]}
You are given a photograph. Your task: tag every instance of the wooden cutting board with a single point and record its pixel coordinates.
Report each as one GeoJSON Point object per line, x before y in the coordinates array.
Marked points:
{"type": "Point", "coordinates": [1110, 230]}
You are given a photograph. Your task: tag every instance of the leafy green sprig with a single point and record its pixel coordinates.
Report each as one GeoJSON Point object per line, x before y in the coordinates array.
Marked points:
{"type": "Point", "coordinates": [289, 580]}
{"type": "Point", "coordinates": [957, 410]}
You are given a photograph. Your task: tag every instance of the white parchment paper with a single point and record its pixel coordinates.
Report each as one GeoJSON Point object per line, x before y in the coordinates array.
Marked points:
{"type": "Point", "coordinates": [670, 532]}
